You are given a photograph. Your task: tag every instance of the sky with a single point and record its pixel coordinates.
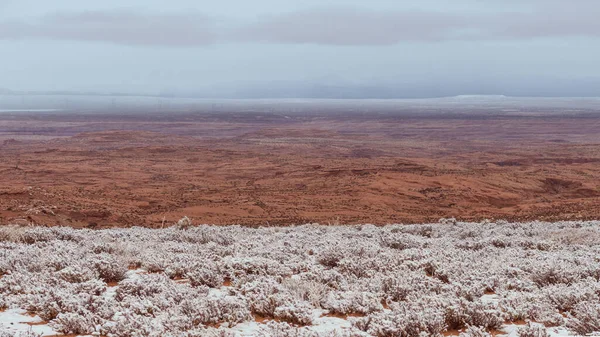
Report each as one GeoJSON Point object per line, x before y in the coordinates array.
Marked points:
{"type": "Point", "coordinates": [308, 48]}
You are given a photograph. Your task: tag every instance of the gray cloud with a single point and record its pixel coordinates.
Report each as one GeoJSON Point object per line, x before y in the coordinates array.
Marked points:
{"type": "Point", "coordinates": [348, 26]}
{"type": "Point", "coordinates": [343, 26]}
{"type": "Point", "coordinates": [124, 27]}
{"type": "Point", "coordinates": [325, 26]}
{"type": "Point", "coordinates": [550, 19]}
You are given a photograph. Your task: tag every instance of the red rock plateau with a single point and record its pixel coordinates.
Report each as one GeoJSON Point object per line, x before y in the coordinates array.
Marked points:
{"type": "Point", "coordinates": [265, 168]}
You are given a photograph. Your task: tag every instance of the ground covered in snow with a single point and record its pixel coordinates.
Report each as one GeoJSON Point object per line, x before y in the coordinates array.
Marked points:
{"type": "Point", "coordinates": [470, 279]}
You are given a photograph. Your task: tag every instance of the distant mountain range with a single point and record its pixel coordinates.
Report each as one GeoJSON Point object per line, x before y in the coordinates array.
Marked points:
{"type": "Point", "coordinates": [533, 87]}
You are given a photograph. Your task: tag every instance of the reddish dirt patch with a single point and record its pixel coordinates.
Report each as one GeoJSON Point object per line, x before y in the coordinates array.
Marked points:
{"type": "Point", "coordinates": [343, 316]}
{"type": "Point", "coordinates": [262, 319]}
{"type": "Point", "coordinates": [517, 322]}
{"type": "Point", "coordinates": [264, 169]}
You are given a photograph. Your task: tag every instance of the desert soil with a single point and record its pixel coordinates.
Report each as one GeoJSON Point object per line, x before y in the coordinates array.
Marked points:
{"type": "Point", "coordinates": [266, 168]}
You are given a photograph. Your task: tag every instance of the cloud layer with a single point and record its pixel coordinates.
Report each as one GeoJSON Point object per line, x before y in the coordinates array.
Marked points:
{"type": "Point", "coordinates": [120, 27]}
{"type": "Point", "coordinates": [324, 26]}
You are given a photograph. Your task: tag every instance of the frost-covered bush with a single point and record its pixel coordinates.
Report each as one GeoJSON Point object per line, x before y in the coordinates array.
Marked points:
{"type": "Point", "coordinates": [519, 307]}
{"type": "Point", "coordinates": [36, 234]}
{"type": "Point", "coordinates": [465, 314]}
{"type": "Point", "coordinates": [352, 302]}
{"type": "Point", "coordinates": [586, 318]}
{"type": "Point", "coordinates": [295, 312]}
{"type": "Point", "coordinates": [71, 323]}
{"type": "Point", "coordinates": [206, 274]}
{"type": "Point", "coordinates": [309, 291]}
{"type": "Point", "coordinates": [108, 267]}
{"type": "Point", "coordinates": [565, 297]}
{"type": "Point", "coordinates": [404, 321]}
{"type": "Point", "coordinates": [416, 280]}
{"type": "Point", "coordinates": [141, 286]}
{"type": "Point", "coordinates": [207, 311]}
{"type": "Point", "coordinates": [398, 241]}
{"type": "Point", "coordinates": [76, 274]}
{"type": "Point", "coordinates": [331, 257]}
{"type": "Point", "coordinates": [28, 333]}
{"type": "Point", "coordinates": [474, 331]}
{"type": "Point", "coordinates": [532, 330]}
{"type": "Point", "coordinates": [184, 223]}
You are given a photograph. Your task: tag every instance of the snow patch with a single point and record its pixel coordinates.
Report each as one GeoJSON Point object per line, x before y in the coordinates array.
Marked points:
{"type": "Point", "coordinates": [15, 321]}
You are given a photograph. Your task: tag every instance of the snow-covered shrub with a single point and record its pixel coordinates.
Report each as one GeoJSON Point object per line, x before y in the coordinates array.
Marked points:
{"type": "Point", "coordinates": [566, 297]}
{"type": "Point", "coordinates": [331, 257]}
{"type": "Point", "coordinates": [448, 221]}
{"type": "Point", "coordinates": [398, 241]}
{"type": "Point", "coordinates": [32, 235]}
{"type": "Point", "coordinates": [127, 324]}
{"type": "Point", "coordinates": [72, 323]}
{"type": "Point", "coordinates": [184, 223]}
{"type": "Point", "coordinates": [464, 314]}
{"type": "Point", "coordinates": [260, 294]}
{"type": "Point", "coordinates": [353, 302]}
{"type": "Point", "coordinates": [545, 275]}
{"type": "Point", "coordinates": [308, 291]}
{"type": "Point", "coordinates": [282, 329]}
{"type": "Point", "coordinates": [403, 321]}
{"type": "Point", "coordinates": [419, 230]}
{"type": "Point", "coordinates": [434, 269]}
{"type": "Point", "coordinates": [533, 330]}
{"type": "Point", "coordinates": [585, 318]}
{"type": "Point", "coordinates": [76, 274]}
{"type": "Point", "coordinates": [28, 333]}
{"type": "Point", "coordinates": [328, 277]}
{"type": "Point", "coordinates": [109, 268]}
{"type": "Point", "coordinates": [141, 286]}
{"type": "Point", "coordinates": [474, 331]}
{"type": "Point", "coordinates": [207, 311]}
{"type": "Point", "coordinates": [10, 233]}
{"type": "Point", "coordinates": [396, 288]}
{"type": "Point", "coordinates": [295, 312]}
{"type": "Point", "coordinates": [416, 280]}
{"type": "Point", "coordinates": [534, 307]}
{"type": "Point", "coordinates": [207, 274]}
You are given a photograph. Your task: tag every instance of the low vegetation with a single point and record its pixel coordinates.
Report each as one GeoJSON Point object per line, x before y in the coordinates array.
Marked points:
{"type": "Point", "coordinates": [391, 281]}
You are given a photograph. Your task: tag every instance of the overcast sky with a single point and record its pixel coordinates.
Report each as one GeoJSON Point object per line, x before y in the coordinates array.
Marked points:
{"type": "Point", "coordinates": [150, 46]}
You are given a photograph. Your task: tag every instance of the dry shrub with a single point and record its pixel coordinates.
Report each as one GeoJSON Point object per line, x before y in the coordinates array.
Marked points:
{"type": "Point", "coordinates": [465, 314]}
{"type": "Point", "coordinates": [295, 312]}
{"type": "Point", "coordinates": [206, 274]}
{"type": "Point", "coordinates": [72, 323]}
{"type": "Point", "coordinates": [475, 331]}
{"type": "Point", "coordinates": [109, 268]}
{"type": "Point", "coordinates": [585, 318]}
{"type": "Point", "coordinates": [533, 330]}
{"type": "Point", "coordinates": [331, 257]}
{"type": "Point", "coordinates": [350, 270]}
{"type": "Point", "coordinates": [404, 321]}
{"type": "Point", "coordinates": [308, 291]}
